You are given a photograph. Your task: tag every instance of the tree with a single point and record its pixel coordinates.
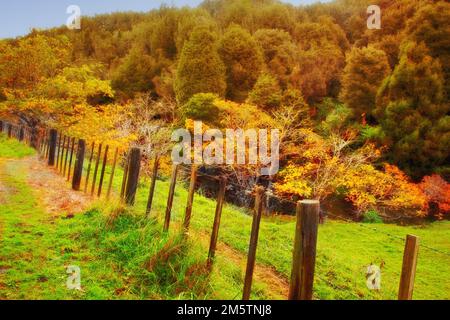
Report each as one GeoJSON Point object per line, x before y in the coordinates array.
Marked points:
{"type": "Point", "coordinates": [25, 62]}
{"type": "Point", "coordinates": [243, 61]}
{"type": "Point", "coordinates": [279, 53]}
{"type": "Point", "coordinates": [413, 113]}
{"type": "Point", "coordinates": [430, 25]}
{"type": "Point", "coordinates": [200, 69]}
{"type": "Point", "coordinates": [201, 106]}
{"type": "Point", "coordinates": [266, 93]}
{"type": "Point", "coordinates": [437, 191]}
{"type": "Point", "coordinates": [365, 70]}
{"type": "Point", "coordinates": [136, 72]}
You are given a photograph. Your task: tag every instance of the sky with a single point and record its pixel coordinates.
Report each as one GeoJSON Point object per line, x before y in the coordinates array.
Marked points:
{"type": "Point", "coordinates": [18, 17]}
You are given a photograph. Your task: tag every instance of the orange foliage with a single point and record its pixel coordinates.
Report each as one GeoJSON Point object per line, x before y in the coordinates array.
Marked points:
{"type": "Point", "coordinates": [437, 192]}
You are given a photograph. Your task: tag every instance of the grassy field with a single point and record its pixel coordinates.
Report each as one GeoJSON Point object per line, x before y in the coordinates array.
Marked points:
{"type": "Point", "coordinates": [124, 256]}
{"type": "Point", "coordinates": [344, 249]}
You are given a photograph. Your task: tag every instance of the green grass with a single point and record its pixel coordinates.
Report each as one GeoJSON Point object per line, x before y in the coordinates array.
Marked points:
{"type": "Point", "coordinates": [11, 148]}
{"type": "Point", "coordinates": [115, 246]}
{"type": "Point", "coordinates": [344, 249]}
{"type": "Point", "coordinates": [121, 255]}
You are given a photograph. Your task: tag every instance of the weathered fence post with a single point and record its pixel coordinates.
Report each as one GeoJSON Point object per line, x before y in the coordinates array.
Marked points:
{"type": "Point", "coordinates": [304, 255]}
{"type": "Point", "coordinates": [190, 199]}
{"type": "Point", "coordinates": [86, 184]}
{"type": "Point", "coordinates": [71, 159]}
{"type": "Point", "coordinates": [59, 151]}
{"type": "Point", "coordinates": [78, 168]}
{"type": "Point", "coordinates": [113, 171]}
{"type": "Point", "coordinates": [102, 173]}
{"type": "Point", "coordinates": [46, 144]}
{"type": "Point", "coordinates": [52, 147]}
{"type": "Point", "coordinates": [216, 225]}
{"type": "Point", "coordinates": [152, 185]}
{"type": "Point", "coordinates": [125, 176]}
{"type": "Point", "coordinates": [173, 183]}
{"type": "Point", "coordinates": [66, 157]}
{"type": "Point", "coordinates": [406, 288]}
{"type": "Point", "coordinates": [133, 175]}
{"type": "Point", "coordinates": [251, 258]}
{"type": "Point", "coordinates": [97, 163]}
{"type": "Point", "coordinates": [61, 156]}
{"type": "Point", "coordinates": [21, 134]}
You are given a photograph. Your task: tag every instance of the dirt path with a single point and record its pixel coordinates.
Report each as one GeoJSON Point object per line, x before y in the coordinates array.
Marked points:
{"type": "Point", "coordinates": [55, 193]}
{"type": "Point", "coordinates": [277, 284]}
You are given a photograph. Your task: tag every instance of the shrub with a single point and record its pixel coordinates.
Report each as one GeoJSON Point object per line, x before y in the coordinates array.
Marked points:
{"type": "Point", "coordinates": [201, 107]}
{"type": "Point", "coordinates": [437, 192]}
{"type": "Point", "coordinates": [372, 216]}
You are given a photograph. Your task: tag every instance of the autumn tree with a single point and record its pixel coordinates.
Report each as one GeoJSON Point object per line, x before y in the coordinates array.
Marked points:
{"type": "Point", "coordinates": [365, 70]}
{"type": "Point", "coordinates": [279, 53]}
{"type": "Point", "coordinates": [243, 61]}
{"type": "Point", "coordinates": [413, 113]}
{"type": "Point", "coordinates": [320, 58]}
{"type": "Point", "coordinates": [200, 68]}
{"type": "Point", "coordinates": [23, 63]}
{"type": "Point", "coordinates": [437, 191]}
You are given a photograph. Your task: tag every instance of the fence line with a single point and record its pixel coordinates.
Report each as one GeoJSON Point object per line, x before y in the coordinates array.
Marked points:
{"type": "Point", "coordinates": [304, 252]}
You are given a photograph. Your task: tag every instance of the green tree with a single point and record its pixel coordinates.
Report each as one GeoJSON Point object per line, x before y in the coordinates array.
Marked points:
{"type": "Point", "coordinates": [365, 70]}
{"type": "Point", "coordinates": [431, 25]}
{"type": "Point", "coordinates": [243, 61]}
{"type": "Point", "coordinates": [136, 72]}
{"type": "Point", "coordinates": [266, 93]}
{"type": "Point", "coordinates": [413, 112]}
{"type": "Point", "coordinates": [201, 106]}
{"type": "Point", "coordinates": [200, 69]}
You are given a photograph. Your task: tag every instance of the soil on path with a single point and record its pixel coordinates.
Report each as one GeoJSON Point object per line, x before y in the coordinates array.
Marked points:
{"type": "Point", "coordinates": [55, 193]}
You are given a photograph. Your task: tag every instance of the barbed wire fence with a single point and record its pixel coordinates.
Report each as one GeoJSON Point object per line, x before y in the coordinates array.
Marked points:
{"type": "Point", "coordinates": [76, 159]}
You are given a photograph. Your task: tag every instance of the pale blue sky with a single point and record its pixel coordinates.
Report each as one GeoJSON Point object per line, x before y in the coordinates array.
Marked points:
{"type": "Point", "coordinates": [17, 17]}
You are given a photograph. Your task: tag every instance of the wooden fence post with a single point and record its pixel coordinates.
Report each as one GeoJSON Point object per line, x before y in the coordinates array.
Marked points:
{"type": "Point", "coordinates": [102, 174]}
{"type": "Point", "coordinates": [304, 255]}
{"type": "Point", "coordinates": [46, 144]}
{"type": "Point", "coordinates": [251, 258]}
{"type": "Point", "coordinates": [152, 185]}
{"type": "Point", "coordinates": [86, 183]}
{"type": "Point", "coordinates": [113, 171]}
{"type": "Point", "coordinates": [97, 163]}
{"type": "Point", "coordinates": [71, 159]}
{"type": "Point", "coordinates": [406, 288]}
{"type": "Point", "coordinates": [52, 147]}
{"type": "Point", "coordinates": [66, 157]}
{"type": "Point", "coordinates": [133, 175]}
{"type": "Point", "coordinates": [190, 199]}
{"type": "Point", "coordinates": [173, 183]}
{"type": "Point", "coordinates": [58, 151]}
{"type": "Point", "coordinates": [78, 168]}
{"type": "Point", "coordinates": [61, 156]}
{"type": "Point", "coordinates": [125, 176]}
{"type": "Point", "coordinates": [216, 225]}
{"type": "Point", "coordinates": [21, 134]}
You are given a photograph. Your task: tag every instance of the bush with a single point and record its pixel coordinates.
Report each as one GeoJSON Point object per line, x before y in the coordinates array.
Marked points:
{"type": "Point", "coordinates": [201, 107]}
{"type": "Point", "coordinates": [372, 216]}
